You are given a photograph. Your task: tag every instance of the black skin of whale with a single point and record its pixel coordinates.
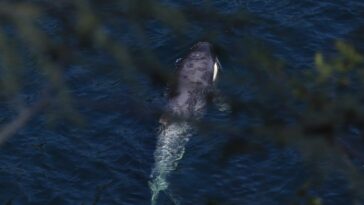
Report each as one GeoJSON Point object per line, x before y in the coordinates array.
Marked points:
{"type": "Point", "coordinates": [194, 84]}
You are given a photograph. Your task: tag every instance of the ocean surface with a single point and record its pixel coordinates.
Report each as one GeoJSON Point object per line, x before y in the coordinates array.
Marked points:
{"type": "Point", "coordinates": [109, 159]}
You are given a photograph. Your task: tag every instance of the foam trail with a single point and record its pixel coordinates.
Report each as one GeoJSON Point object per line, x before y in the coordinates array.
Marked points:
{"type": "Point", "coordinates": [170, 149]}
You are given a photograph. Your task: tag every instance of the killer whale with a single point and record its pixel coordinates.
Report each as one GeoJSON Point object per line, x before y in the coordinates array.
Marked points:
{"type": "Point", "coordinates": [195, 77]}
{"type": "Point", "coordinates": [196, 74]}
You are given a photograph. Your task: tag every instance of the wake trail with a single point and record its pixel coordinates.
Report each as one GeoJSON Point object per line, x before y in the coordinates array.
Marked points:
{"type": "Point", "coordinates": [170, 149]}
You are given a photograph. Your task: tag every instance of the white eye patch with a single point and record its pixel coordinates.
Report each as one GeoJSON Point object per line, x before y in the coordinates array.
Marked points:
{"type": "Point", "coordinates": [216, 69]}
{"type": "Point", "coordinates": [217, 66]}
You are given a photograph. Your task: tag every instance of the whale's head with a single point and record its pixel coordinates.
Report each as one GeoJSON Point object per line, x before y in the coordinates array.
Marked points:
{"type": "Point", "coordinates": [197, 72]}
{"type": "Point", "coordinates": [200, 65]}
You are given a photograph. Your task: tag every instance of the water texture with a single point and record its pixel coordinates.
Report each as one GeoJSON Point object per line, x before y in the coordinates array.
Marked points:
{"type": "Point", "coordinates": [109, 160]}
{"type": "Point", "coordinates": [170, 149]}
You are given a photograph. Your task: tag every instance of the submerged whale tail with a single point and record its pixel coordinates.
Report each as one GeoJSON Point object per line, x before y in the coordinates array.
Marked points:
{"type": "Point", "coordinates": [170, 149]}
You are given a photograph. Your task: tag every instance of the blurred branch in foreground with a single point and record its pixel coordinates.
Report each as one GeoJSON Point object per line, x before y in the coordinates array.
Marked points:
{"type": "Point", "coordinates": [318, 110]}
{"type": "Point", "coordinates": [23, 117]}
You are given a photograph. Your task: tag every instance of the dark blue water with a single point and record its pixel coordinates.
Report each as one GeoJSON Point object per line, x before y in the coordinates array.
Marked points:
{"type": "Point", "coordinates": [109, 159]}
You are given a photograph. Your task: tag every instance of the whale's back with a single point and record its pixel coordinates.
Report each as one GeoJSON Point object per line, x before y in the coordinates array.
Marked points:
{"type": "Point", "coordinates": [194, 82]}
{"type": "Point", "coordinates": [196, 70]}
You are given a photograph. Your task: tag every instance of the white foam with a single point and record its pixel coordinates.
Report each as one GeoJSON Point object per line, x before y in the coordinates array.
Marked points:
{"type": "Point", "coordinates": [170, 149]}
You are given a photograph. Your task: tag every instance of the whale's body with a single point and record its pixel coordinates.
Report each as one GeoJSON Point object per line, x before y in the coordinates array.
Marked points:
{"type": "Point", "coordinates": [195, 77]}
{"type": "Point", "coordinates": [196, 74]}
